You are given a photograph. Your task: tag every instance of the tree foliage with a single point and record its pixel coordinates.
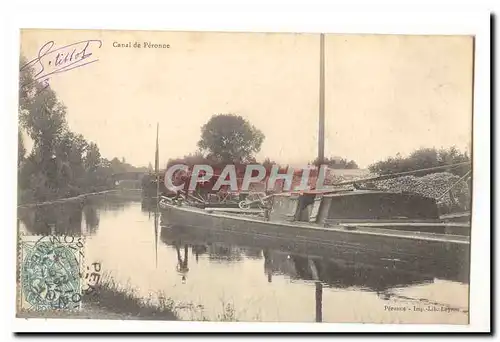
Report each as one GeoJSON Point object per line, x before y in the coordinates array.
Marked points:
{"type": "Point", "coordinates": [338, 163]}
{"type": "Point", "coordinates": [229, 138]}
{"type": "Point", "coordinates": [21, 150]}
{"type": "Point", "coordinates": [191, 160]}
{"type": "Point", "coordinates": [268, 163]}
{"type": "Point", "coordinates": [423, 158]}
{"type": "Point", "coordinates": [61, 163]}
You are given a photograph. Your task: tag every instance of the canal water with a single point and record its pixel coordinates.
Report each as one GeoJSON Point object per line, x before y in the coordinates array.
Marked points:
{"type": "Point", "coordinates": [216, 276]}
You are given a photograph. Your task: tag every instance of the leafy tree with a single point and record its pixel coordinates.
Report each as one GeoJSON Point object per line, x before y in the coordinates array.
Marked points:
{"type": "Point", "coordinates": [230, 138]}
{"type": "Point", "coordinates": [268, 163]}
{"type": "Point", "coordinates": [117, 166]}
{"type": "Point", "coordinates": [92, 158]}
{"type": "Point", "coordinates": [69, 159]}
{"type": "Point", "coordinates": [105, 163]}
{"type": "Point", "coordinates": [191, 160]}
{"type": "Point", "coordinates": [92, 164]}
{"type": "Point", "coordinates": [42, 116]}
{"type": "Point", "coordinates": [351, 165]}
{"type": "Point", "coordinates": [338, 163]}
{"type": "Point", "coordinates": [423, 158]}
{"type": "Point", "coordinates": [62, 163]}
{"type": "Point", "coordinates": [21, 150]}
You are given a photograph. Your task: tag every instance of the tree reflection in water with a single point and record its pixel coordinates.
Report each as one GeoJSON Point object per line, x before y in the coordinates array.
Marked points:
{"type": "Point", "coordinates": [53, 219]}
{"type": "Point", "coordinates": [91, 215]}
{"type": "Point", "coordinates": [67, 218]}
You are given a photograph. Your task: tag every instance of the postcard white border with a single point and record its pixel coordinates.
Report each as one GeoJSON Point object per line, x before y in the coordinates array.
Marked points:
{"type": "Point", "coordinates": [290, 16]}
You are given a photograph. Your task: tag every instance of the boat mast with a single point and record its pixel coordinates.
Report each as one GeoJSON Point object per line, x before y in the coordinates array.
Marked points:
{"type": "Point", "coordinates": [321, 131]}
{"type": "Point", "coordinates": [157, 163]}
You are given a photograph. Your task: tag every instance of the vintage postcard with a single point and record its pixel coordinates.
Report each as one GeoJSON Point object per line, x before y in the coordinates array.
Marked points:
{"type": "Point", "coordinates": [244, 177]}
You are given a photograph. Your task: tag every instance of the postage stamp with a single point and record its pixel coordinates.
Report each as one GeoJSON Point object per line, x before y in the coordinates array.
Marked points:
{"type": "Point", "coordinates": [50, 272]}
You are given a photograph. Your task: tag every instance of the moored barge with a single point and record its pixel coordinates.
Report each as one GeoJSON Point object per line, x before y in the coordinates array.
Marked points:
{"type": "Point", "coordinates": [402, 228]}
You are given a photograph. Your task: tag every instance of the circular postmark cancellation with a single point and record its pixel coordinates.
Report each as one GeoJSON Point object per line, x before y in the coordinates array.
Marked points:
{"type": "Point", "coordinates": [51, 268]}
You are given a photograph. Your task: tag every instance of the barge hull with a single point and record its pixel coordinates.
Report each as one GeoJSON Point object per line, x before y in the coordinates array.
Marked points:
{"type": "Point", "coordinates": [418, 252]}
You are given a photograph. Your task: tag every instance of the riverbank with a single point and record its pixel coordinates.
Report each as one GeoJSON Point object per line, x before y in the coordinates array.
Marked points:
{"type": "Point", "coordinates": [110, 301]}
{"type": "Point", "coordinates": [112, 298]}
{"type": "Point", "coordinates": [77, 198]}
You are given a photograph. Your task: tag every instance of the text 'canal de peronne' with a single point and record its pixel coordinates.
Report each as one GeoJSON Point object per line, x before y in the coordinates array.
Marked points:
{"type": "Point", "coordinates": [139, 45]}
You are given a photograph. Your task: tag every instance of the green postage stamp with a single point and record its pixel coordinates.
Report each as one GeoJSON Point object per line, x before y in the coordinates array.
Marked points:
{"type": "Point", "coordinates": [50, 272]}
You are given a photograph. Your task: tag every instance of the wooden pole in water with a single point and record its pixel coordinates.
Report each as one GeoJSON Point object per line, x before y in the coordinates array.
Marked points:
{"type": "Point", "coordinates": [319, 290]}
{"type": "Point", "coordinates": [321, 130]}
{"type": "Point", "coordinates": [157, 211]}
{"type": "Point", "coordinates": [319, 301]}
{"type": "Point", "coordinates": [157, 163]}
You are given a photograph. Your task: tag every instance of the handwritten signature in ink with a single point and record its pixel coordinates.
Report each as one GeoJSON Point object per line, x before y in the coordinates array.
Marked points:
{"type": "Point", "coordinates": [52, 61]}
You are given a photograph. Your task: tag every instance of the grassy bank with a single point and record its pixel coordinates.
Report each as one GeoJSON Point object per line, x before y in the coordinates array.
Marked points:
{"type": "Point", "coordinates": [113, 298]}
{"type": "Point", "coordinates": [113, 301]}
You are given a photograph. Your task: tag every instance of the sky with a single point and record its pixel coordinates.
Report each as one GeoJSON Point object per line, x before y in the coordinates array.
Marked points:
{"type": "Point", "coordinates": [384, 94]}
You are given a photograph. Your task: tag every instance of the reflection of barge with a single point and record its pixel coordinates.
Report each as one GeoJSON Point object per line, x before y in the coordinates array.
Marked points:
{"type": "Point", "coordinates": [318, 263]}
{"type": "Point", "coordinates": [313, 260]}
{"type": "Point", "coordinates": [404, 228]}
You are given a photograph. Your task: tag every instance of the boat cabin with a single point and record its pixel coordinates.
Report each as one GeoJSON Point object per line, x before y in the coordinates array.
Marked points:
{"type": "Point", "coordinates": [344, 206]}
